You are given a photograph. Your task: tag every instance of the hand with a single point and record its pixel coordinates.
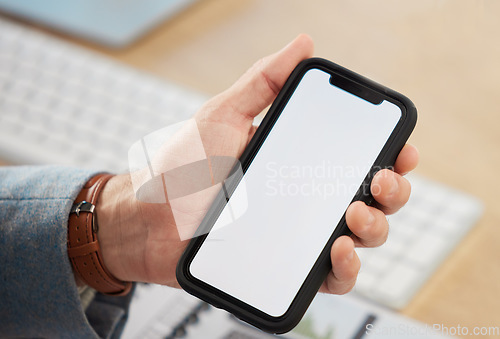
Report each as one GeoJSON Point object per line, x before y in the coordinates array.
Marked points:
{"type": "Point", "coordinates": [140, 241]}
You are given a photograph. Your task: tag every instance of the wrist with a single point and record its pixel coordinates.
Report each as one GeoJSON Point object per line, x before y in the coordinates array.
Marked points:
{"type": "Point", "coordinates": [139, 241]}
{"type": "Point", "coordinates": [119, 220]}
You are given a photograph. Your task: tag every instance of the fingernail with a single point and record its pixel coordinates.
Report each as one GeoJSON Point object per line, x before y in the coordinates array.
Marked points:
{"type": "Point", "coordinates": [370, 217]}
{"type": "Point", "coordinates": [394, 185]}
{"type": "Point", "coordinates": [350, 255]}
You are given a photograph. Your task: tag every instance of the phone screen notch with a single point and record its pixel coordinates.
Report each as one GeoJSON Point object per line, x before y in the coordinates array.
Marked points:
{"type": "Point", "coordinates": [360, 91]}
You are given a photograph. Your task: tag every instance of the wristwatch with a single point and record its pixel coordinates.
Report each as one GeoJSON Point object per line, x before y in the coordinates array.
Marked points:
{"type": "Point", "coordinates": [83, 246]}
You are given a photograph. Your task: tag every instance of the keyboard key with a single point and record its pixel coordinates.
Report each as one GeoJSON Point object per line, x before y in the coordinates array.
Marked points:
{"type": "Point", "coordinates": [41, 98]}
{"type": "Point", "coordinates": [366, 281]}
{"type": "Point", "coordinates": [378, 263]}
{"type": "Point", "coordinates": [426, 249]}
{"type": "Point", "coordinates": [398, 281]}
{"type": "Point", "coordinates": [19, 90]}
{"type": "Point", "coordinates": [393, 246]}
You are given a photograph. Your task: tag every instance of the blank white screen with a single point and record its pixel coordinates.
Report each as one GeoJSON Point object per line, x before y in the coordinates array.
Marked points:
{"type": "Point", "coordinates": [325, 141]}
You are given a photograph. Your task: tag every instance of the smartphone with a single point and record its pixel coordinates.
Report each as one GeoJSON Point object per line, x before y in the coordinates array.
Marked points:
{"type": "Point", "coordinates": [324, 137]}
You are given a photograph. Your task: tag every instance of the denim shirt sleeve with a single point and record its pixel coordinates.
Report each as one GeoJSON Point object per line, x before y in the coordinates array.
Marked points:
{"type": "Point", "coordinates": [38, 294]}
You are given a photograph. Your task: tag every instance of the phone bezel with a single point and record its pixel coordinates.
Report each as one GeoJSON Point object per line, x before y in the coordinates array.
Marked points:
{"type": "Point", "coordinates": [322, 266]}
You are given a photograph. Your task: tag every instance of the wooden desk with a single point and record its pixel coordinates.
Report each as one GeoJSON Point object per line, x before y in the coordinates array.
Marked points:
{"type": "Point", "coordinates": [444, 55]}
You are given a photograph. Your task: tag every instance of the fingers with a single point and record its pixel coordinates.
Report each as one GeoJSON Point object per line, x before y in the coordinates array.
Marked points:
{"type": "Point", "coordinates": [345, 267]}
{"type": "Point", "coordinates": [390, 190]}
{"type": "Point", "coordinates": [368, 224]}
{"type": "Point", "coordinates": [258, 87]}
{"type": "Point", "coordinates": [407, 159]}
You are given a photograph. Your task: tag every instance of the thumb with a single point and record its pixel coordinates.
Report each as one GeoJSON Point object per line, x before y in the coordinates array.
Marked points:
{"type": "Point", "coordinates": [258, 87]}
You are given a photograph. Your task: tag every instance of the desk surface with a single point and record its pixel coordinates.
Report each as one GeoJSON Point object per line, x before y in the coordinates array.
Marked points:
{"type": "Point", "coordinates": [444, 55]}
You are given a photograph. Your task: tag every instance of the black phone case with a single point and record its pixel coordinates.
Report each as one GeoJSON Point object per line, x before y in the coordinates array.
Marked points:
{"type": "Point", "coordinates": [363, 87]}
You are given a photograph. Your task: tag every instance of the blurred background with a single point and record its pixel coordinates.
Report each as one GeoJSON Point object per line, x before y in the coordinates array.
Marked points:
{"type": "Point", "coordinates": [443, 54]}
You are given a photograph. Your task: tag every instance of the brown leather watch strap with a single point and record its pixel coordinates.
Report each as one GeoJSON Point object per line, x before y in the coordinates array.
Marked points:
{"type": "Point", "coordinates": [83, 247]}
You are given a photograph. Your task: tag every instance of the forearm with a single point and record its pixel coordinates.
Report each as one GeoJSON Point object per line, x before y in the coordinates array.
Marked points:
{"type": "Point", "coordinates": [38, 291]}
{"type": "Point", "coordinates": [35, 270]}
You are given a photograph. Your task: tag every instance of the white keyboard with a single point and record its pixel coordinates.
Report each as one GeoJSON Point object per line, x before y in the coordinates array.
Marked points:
{"type": "Point", "coordinates": [62, 104]}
